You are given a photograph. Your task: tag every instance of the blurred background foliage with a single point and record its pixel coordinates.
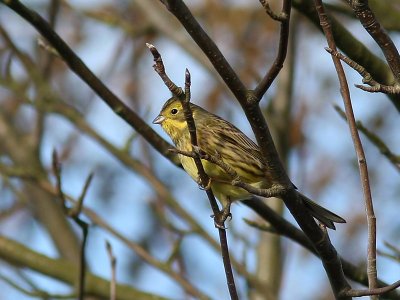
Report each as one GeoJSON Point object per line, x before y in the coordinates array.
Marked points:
{"type": "Point", "coordinates": [142, 204]}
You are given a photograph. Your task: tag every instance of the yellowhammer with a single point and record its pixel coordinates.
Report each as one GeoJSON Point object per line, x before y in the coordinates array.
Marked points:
{"type": "Point", "coordinates": [217, 137]}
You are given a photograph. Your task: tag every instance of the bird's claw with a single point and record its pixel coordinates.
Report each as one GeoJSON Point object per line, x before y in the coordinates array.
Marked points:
{"type": "Point", "coordinates": [202, 186]}
{"type": "Point", "coordinates": [222, 216]}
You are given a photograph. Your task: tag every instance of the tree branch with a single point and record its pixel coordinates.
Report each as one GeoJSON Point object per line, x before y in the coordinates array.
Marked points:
{"type": "Point", "coordinates": [277, 65]}
{"type": "Point", "coordinates": [367, 78]}
{"type": "Point", "coordinates": [371, 220]}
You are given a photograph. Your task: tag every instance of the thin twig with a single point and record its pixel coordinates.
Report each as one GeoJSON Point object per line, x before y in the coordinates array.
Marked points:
{"type": "Point", "coordinates": [82, 264]}
{"type": "Point", "coordinates": [372, 292]}
{"type": "Point", "coordinates": [277, 17]}
{"type": "Point", "coordinates": [113, 262]}
{"type": "Point", "coordinates": [277, 65]}
{"type": "Point", "coordinates": [57, 173]}
{"type": "Point", "coordinates": [371, 220]}
{"type": "Point", "coordinates": [76, 209]}
{"type": "Point", "coordinates": [160, 69]}
{"type": "Point", "coordinates": [367, 77]}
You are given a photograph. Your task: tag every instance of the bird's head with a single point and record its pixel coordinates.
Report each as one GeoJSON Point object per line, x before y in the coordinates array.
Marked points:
{"type": "Point", "coordinates": [171, 118]}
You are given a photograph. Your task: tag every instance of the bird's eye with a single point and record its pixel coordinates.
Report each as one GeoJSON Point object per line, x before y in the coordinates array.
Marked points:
{"type": "Point", "coordinates": [174, 111]}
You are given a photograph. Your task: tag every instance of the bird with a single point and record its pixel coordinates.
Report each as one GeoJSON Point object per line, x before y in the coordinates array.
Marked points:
{"type": "Point", "coordinates": [219, 138]}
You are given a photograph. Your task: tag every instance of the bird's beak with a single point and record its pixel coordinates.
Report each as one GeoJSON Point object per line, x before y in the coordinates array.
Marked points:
{"type": "Point", "coordinates": [159, 119]}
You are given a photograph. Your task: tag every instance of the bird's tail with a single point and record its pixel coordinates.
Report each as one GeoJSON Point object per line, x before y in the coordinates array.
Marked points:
{"type": "Point", "coordinates": [323, 215]}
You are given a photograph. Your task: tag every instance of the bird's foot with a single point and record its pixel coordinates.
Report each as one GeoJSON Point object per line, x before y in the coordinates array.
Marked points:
{"type": "Point", "coordinates": [202, 186]}
{"type": "Point", "coordinates": [222, 216]}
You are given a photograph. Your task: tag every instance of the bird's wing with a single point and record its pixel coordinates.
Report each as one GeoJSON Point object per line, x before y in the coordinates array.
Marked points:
{"type": "Point", "coordinates": [233, 146]}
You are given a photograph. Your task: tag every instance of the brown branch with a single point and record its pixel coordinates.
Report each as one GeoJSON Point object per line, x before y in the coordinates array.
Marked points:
{"type": "Point", "coordinates": [380, 88]}
{"type": "Point", "coordinates": [160, 69]}
{"type": "Point", "coordinates": [371, 220]}
{"type": "Point", "coordinates": [204, 179]}
{"type": "Point", "coordinates": [277, 65]}
{"type": "Point", "coordinates": [372, 292]}
{"type": "Point", "coordinates": [378, 33]}
{"type": "Point", "coordinates": [277, 17]}
{"type": "Point", "coordinates": [367, 77]}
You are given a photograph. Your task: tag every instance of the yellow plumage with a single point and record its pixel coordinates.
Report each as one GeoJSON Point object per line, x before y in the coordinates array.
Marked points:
{"type": "Point", "coordinates": [217, 137]}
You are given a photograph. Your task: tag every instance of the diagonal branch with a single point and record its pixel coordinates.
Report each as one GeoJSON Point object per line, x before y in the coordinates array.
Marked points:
{"type": "Point", "coordinates": [80, 69]}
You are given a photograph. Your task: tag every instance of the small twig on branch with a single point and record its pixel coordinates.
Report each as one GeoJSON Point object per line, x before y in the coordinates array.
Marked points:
{"type": "Point", "coordinates": [160, 69]}
{"type": "Point", "coordinates": [367, 77]}
{"type": "Point", "coordinates": [113, 262]}
{"type": "Point", "coordinates": [372, 292]}
{"type": "Point", "coordinates": [371, 220]}
{"type": "Point", "coordinates": [284, 18]}
{"type": "Point", "coordinates": [277, 17]}
{"type": "Point", "coordinates": [380, 88]}
{"type": "Point", "coordinates": [77, 208]}
{"type": "Point", "coordinates": [184, 97]}
{"type": "Point", "coordinates": [57, 173]}
{"type": "Point", "coordinates": [378, 33]}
